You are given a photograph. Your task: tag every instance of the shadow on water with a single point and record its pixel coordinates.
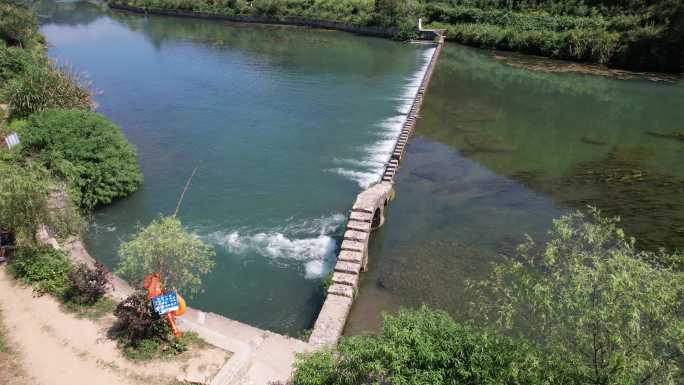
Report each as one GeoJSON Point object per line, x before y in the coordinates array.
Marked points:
{"type": "Point", "coordinates": [499, 152]}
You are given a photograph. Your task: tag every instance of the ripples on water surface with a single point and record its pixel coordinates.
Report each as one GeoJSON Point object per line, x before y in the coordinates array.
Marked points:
{"type": "Point", "coordinates": [500, 152]}
{"type": "Point", "coordinates": [281, 121]}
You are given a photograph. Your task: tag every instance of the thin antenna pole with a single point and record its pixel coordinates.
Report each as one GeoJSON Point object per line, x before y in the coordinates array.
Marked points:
{"type": "Point", "coordinates": [187, 184]}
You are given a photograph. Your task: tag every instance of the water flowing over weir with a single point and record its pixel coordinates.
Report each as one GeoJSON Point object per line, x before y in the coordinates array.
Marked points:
{"type": "Point", "coordinates": [369, 170]}
{"type": "Point", "coordinates": [267, 112]}
{"type": "Point", "coordinates": [367, 214]}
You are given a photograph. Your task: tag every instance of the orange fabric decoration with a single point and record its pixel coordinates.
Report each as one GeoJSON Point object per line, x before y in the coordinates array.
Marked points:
{"type": "Point", "coordinates": [181, 306]}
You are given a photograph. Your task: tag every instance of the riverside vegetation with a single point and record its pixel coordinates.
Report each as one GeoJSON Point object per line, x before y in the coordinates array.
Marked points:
{"type": "Point", "coordinates": [70, 161]}
{"type": "Point", "coordinates": [585, 308]}
{"type": "Point", "coordinates": [629, 34]}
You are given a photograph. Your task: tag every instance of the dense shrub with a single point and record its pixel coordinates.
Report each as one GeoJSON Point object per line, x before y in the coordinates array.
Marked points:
{"type": "Point", "coordinates": [421, 347]}
{"type": "Point", "coordinates": [18, 25]}
{"type": "Point", "coordinates": [88, 151]}
{"type": "Point", "coordinates": [14, 61]}
{"type": "Point", "coordinates": [86, 285]}
{"type": "Point", "coordinates": [141, 332]}
{"type": "Point", "coordinates": [599, 310]}
{"type": "Point", "coordinates": [137, 319]}
{"type": "Point", "coordinates": [41, 87]}
{"type": "Point", "coordinates": [25, 201]}
{"type": "Point", "coordinates": [43, 267]}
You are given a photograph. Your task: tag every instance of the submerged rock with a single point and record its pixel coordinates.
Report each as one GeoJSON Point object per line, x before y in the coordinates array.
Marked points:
{"type": "Point", "coordinates": [672, 135]}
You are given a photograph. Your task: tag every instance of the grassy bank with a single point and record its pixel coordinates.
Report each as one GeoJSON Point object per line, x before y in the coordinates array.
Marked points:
{"type": "Point", "coordinates": [636, 35]}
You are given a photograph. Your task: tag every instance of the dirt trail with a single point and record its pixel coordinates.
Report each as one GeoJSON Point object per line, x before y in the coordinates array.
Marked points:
{"type": "Point", "coordinates": [55, 348]}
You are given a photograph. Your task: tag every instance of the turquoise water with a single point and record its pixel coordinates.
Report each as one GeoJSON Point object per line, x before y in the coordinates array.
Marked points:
{"type": "Point", "coordinates": [286, 126]}
{"type": "Point", "coordinates": [501, 151]}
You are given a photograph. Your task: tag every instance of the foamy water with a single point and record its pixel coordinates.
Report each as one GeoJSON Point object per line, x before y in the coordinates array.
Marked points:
{"type": "Point", "coordinates": [307, 241]}
{"type": "Point", "coordinates": [369, 169]}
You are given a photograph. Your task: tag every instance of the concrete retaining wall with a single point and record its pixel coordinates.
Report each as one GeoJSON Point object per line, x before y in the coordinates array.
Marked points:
{"type": "Point", "coordinates": [296, 21]}
{"type": "Point", "coordinates": [367, 214]}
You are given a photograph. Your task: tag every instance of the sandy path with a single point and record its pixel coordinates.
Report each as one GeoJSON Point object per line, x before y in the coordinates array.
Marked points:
{"type": "Point", "coordinates": [56, 348]}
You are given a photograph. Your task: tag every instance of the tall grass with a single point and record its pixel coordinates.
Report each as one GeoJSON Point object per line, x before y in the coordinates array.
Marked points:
{"type": "Point", "coordinates": [41, 87]}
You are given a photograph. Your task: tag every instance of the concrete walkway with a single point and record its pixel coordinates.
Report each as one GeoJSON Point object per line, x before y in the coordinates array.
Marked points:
{"type": "Point", "coordinates": [259, 356]}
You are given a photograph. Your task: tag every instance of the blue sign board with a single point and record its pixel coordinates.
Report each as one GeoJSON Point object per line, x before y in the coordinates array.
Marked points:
{"type": "Point", "coordinates": [165, 303]}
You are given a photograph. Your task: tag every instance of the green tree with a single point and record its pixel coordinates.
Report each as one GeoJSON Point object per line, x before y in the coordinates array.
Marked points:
{"type": "Point", "coordinates": [165, 247]}
{"type": "Point", "coordinates": [421, 347]}
{"type": "Point", "coordinates": [599, 310]}
{"type": "Point", "coordinates": [25, 202]}
{"type": "Point", "coordinates": [23, 199]}
{"type": "Point", "coordinates": [87, 150]}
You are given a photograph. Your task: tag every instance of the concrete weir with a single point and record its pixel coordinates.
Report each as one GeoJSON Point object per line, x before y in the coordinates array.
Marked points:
{"type": "Point", "coordinates": [367, 214]}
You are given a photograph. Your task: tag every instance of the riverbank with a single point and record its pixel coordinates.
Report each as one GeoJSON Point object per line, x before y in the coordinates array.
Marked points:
{"type": "Point", "coordinates": [256, 356]}
{"type": "Point", "coordinates": [367, 30]}
{"type": "Point", "coordinates": [631, 36]}
{"type": "Point", "coordinates": [57, 348]}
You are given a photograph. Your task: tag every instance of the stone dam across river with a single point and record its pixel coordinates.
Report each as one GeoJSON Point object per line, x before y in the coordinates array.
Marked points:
{"type": "Point", "coordinates": [367, 214]}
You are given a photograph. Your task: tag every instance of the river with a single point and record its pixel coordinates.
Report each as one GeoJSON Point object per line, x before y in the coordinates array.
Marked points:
{"type": "Point", "coordinates": [500, 152]}
{"type": "Point", "coordinates": [286, 126]}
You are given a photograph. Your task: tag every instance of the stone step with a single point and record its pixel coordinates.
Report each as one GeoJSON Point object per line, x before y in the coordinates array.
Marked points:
{"type": "Point", "coordinates": [341, 290]}
{"type": "Point", "coordinates": [347, 267]}
{"type": "Point", "coordinates": [346, 279]}
{"type": "Point", "coordinates": [353, 246]}
{"type": "Point", "coordinates": [359, 226]}
{"type": "Point", "coordinates": [357, 236]}
{"type": "Point", "coordinates": [350, 256]}
{"type": "Point", "coordinates": [361, 209]}
{"type": "Point", "coordinates": [361, 216]}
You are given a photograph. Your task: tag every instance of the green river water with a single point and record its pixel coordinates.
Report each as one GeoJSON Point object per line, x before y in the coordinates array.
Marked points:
{"type": "Point", "coordinates": [287, 125]}
{"type": "Point", "coordinates": [498, 153]}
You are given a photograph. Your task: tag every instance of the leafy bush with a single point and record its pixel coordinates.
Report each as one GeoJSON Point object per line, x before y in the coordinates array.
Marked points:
{"type": "Point", "coordinates": [40, 87]}
{"type": "Point", "coordinates": [137, 320]}
{"type": "Point", "coordinates": [421, 347]}
{"type": "Point", "coordinates": [24, 201]}
{"type": "Point", "coordinates": [142, 333]}
{"type": "Point", "coordinates": [88, 151]}
{"type": "Point", "coordinates": [165, 247]}
{"type": "Point", "coordinates": [85, 285]}
{"type": "Point", "coordinates": [14, 61]}
{"type": "Point", "coordinates": [18, 25]}
{"type": "Point", "coordinates": [43, 267]}
{"type": "Point", "coordinates": [597, 308]}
